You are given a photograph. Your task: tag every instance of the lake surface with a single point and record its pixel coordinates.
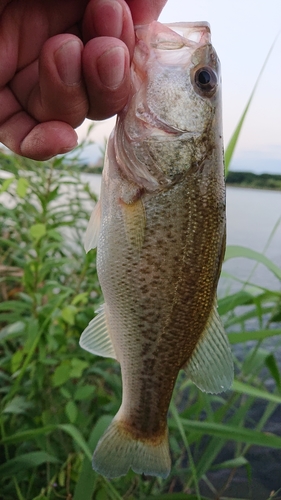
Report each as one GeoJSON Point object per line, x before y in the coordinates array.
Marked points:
{"type": "Point", "coordinates": [252, 215]}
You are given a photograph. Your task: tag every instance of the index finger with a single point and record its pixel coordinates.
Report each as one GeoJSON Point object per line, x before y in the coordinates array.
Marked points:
{"type": "Point", "coordinates": [145, 11]}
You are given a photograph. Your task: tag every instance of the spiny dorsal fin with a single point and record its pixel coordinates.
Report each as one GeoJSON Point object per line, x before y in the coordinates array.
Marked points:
{"type": "Point", "coordinates": [96, 337]}
{"type": "Point", "coordinates": [134, 219]}
{"type": "Point", "coordinates": [93, 228]}
{"type": "Point", "coordinates": [211, 365]}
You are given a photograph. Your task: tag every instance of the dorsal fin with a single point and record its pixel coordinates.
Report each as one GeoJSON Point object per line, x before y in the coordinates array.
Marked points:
{"type": "Point", "coordinates": [211, 365]}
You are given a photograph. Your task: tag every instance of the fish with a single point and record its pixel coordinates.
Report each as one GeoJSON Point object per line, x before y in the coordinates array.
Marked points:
{"type": "Point", "coordinates": [160, 231]}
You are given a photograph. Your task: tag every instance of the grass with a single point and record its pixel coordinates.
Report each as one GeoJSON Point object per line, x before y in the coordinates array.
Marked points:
{"type": "Point", "coordinates": [56, 399]}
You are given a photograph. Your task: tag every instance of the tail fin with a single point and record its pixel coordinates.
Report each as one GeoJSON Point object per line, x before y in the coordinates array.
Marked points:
{"type": "Point", "coordinates": [118, 450]}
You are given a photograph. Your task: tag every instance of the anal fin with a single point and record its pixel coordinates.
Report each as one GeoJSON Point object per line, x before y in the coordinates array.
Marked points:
{"type": "Point", "coordinates": [211, 365]}
{"type": "Point", "coordinates": [96, 337]}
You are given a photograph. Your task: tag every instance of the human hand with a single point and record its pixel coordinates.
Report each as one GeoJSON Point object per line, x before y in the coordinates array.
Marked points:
{"type": "Point", "coordinates": [62, 61]}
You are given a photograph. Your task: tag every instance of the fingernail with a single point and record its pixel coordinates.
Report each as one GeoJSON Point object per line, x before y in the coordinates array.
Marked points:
{"type": "Point", "coordinates": [72, 144]}
{"type": "Point", "coordinates": [68, 62]}
{"type": "Point", "coordinates": [111, 67]}
{"type": "Point", "coordinates": [111, 14]}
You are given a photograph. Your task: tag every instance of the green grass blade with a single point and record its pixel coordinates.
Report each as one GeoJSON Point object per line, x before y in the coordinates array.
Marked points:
{"type": "Point", "coordinates": [230, 433]}
{"type": "Point", "coordinates": [86, 483]}
{"type": "Point", "coordinates": [234, 138]}
{"type": "Point", "coordinates": [230, 302]}
{"type": "Point", "coordinates": [235, 251]}
{"type": "Point", "coordinates": [207, 458]}
{"type": "Point", "coordinates": [33, 433]}
{"type": "Point", "coordinates": [273, 368]}
{"type": "Point", "coordinates": [232, 463]}
{"type": "Point", "coordinates": [273, 232]}
{"type": "Point", "coordinates": [237, 338]}
{"type": "Point", "coordinates": [20, 437]}
{"type": "Point", "coordinates": [184, 438]}
{"type": "Point", "coordinates": [26, 461]}
{"type": "Point", "coordinates": [243, 388]}
{"type": "Point", "coordinates": [78, 438]}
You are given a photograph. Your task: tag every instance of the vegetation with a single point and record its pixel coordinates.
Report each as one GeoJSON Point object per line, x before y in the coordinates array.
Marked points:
{"type": "Point", "coordinates": [57, 399]}
{"type": "Point", "coordinates": [248, 179]}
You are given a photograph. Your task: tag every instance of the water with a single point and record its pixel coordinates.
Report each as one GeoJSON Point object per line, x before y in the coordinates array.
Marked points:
{"type": "Point", "coordinates": [252, 215]}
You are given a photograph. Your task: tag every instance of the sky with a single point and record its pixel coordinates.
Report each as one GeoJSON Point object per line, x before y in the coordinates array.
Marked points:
{"type": "Point", "coordinates": [242, 34]}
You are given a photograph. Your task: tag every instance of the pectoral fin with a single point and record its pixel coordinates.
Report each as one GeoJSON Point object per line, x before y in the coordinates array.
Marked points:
{"type": "Point", "coordinates": [96, 337]}
{"type": "Point", "coordinates": [134, 220]}
{"type": "Point", "coordinates": [211, 365]}
{"type": "Point", "coordinates": [93, 229]}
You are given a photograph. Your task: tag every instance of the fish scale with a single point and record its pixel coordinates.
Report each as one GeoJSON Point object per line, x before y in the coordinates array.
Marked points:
{"type": "Point", "coordinates": [159, 229]}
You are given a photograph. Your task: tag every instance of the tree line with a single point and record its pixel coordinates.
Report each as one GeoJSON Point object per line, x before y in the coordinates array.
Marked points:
{"type": "Point", "coordinates": [258, 181]}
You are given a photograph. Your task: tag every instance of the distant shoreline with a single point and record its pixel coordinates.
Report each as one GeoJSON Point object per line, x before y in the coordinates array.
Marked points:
{"type": "Point", "coordinates": [270, 182]}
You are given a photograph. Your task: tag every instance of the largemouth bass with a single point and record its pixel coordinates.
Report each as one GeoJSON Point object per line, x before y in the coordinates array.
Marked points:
{"type": "Point", "coordinates": [159, 228]}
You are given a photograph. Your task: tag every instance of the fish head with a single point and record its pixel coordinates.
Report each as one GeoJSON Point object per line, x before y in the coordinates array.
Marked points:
{"type": "Point", "coordinates": [181, 74]}
{"type": "Point", "coordinates": [174, 112]}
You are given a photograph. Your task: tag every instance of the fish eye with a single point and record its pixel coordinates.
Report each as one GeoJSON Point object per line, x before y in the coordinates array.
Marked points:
{"type": "Point", "coordinates": [206, 80]}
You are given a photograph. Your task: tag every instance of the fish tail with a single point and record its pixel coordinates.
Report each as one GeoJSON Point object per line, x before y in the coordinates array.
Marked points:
{"type": "Point", "coordinates": [118, 450]}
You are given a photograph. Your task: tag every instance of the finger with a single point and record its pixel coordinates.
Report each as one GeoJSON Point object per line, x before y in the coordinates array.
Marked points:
{"type": "Point", "coordinates": [145, 11]}
{"type": "Point", "coordinates": [23, 135]}
{"type": "Point", "coordinates": [25, 25]}
{"type": "Point", "coordinates": [60, 93]}
{"type": "Point", "coordinates": [48, 139]}
{"type": "Point", "coordinates": [110, 18]}
{"type": "Point", "coordinates": [106, 70]}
